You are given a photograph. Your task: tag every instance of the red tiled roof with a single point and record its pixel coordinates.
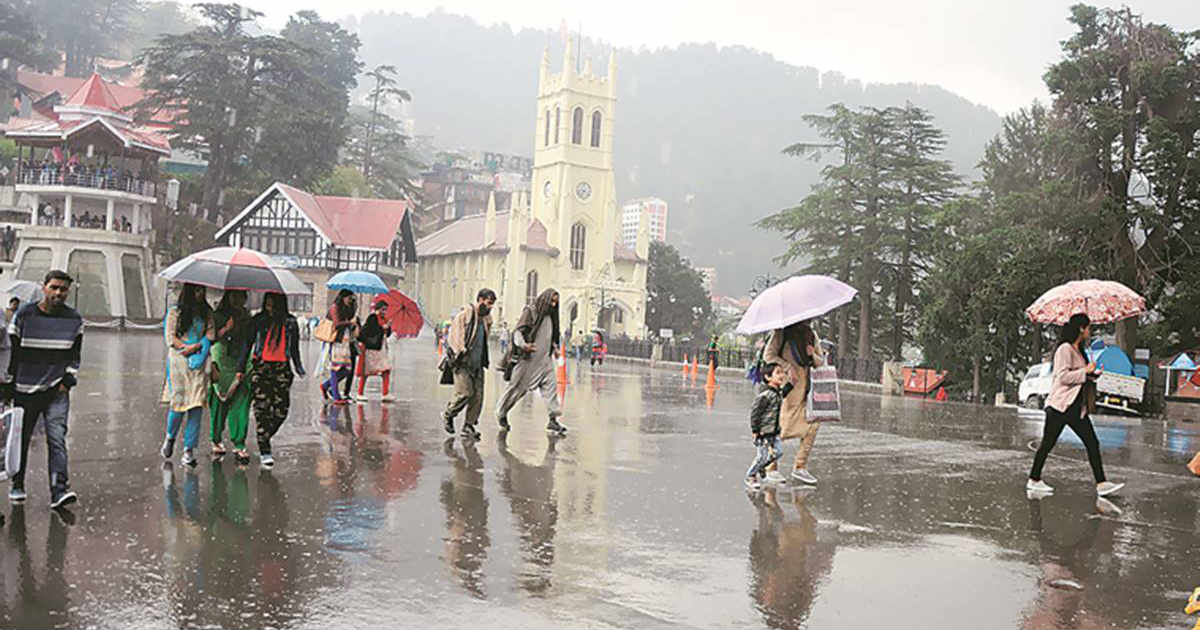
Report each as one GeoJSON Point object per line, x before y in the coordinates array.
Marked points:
{"type": "Point", "coordinates": [142, 137]}
{"type": "Point", "coordinates": [350, 221]}
{"type": "Point", "coordinates": [125, 96]}
{"type": "Point", "coordinates": [466, 235]}
{"type": "Point", "coordinates": [94, 94]}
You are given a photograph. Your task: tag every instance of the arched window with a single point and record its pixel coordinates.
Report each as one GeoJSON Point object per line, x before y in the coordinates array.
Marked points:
{"type": "Point", "coordinates": [577, 126]}
{"type": "Point", "coordinates": [596, 129]}
{"type": "Point", "coordinates": [578, 240]}
{"type": "Point", "coordinates": [546, 141]}
{"type": "Point", "coordinates": [531, 288]}
{"type": "Point", "coordinates": [557, 123]}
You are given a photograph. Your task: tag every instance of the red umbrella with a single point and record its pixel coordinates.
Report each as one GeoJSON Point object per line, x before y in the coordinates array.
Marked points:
{"type": "Point", "coordinates": [403, 314]}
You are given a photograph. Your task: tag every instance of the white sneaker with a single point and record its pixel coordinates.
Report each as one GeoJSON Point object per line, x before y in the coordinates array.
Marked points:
{"type": "Point", "coordinates": [1040, 487]}
{"type": "Point", "coordinates": [803, 476]}
{"type": "Point", "coordinates": [1106, 488]}
{"type": "Point", "coordinates": [776, 477]}
{"type": "Point", "coordinates": [3, 475]}
{"type": "Point", "coordinates": [1107, 508]}
{"type": "Point", "coordinates": [388, 398]}
{"type": "Point", "coordinates": [752, 483]}
{"type": "Point", "coordinates": [266, 461]}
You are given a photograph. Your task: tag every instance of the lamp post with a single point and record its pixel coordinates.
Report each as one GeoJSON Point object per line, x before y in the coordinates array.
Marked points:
{"type": "Point", "coordinates": [762, 283]}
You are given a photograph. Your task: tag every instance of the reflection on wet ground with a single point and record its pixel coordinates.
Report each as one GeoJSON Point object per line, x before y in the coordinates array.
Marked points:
{"type": "Point", "coordinates": [635, 518]}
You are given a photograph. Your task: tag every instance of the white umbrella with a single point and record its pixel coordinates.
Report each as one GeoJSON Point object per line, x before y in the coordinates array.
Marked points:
{"type": "Point", "coordinates": [796, 299]}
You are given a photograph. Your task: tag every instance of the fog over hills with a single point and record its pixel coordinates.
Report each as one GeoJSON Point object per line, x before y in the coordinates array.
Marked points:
{"type": "Point", "coordinates": [699, 126]}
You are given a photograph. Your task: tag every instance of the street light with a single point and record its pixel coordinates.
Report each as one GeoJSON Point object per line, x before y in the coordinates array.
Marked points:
{"type": "Point", "coordinates": [762, 283]}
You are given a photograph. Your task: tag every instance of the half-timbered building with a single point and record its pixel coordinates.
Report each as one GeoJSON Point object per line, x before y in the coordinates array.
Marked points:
{"type": "Point", "coordinates": [318, 236]}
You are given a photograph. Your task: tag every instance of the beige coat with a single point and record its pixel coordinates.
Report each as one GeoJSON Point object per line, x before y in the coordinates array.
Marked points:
{"type": "Point", "coordinates": [1070, 373]}
{"type": "Point", "coordinates": [793, 417]}
{"type": "Point", "coordinates": [463, 327]}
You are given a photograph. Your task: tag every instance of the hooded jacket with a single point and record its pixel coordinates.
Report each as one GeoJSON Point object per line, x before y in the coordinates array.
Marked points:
{"type": "Point", "coordinates": [764, 415]}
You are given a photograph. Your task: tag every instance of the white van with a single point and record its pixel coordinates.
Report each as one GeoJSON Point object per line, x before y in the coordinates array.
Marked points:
{"type": "Point", "coordinates": [1035, 387]}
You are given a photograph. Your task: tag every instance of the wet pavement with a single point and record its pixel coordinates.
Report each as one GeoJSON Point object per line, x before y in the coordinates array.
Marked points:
{"type": "Point", "coordinates": [372, 517]}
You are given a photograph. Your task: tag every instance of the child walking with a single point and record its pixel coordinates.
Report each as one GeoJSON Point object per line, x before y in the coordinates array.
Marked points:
{"type": "Point", "coordinates": [764, 422]}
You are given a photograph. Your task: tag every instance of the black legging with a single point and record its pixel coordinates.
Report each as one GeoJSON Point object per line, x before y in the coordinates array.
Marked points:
{"type": "Point", "coordinates": [1081, 425]}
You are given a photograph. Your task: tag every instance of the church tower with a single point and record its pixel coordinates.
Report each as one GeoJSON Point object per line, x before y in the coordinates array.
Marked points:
{"type": "Point", "coordinates": [573, 190]}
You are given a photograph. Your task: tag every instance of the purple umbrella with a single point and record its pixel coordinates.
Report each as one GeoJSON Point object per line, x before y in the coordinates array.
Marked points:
{"type": "Point", "coordinates": [794, 300]}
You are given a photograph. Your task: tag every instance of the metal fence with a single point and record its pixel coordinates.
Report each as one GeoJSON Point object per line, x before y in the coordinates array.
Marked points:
{"type": "Point", "coordinates": [849, 368]}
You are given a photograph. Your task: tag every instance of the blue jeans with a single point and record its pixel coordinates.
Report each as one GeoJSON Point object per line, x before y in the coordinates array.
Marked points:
{"type": "Point", "coordinates": [52, 405]}
{"type": "Point", "coordinates": [770, 448]}
{"type": "Point", "coordinates": [191, 433]}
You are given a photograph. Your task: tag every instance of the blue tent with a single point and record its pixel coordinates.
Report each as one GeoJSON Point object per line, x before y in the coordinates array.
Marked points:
{"type": "Point", "coordinates": [1112, 359]}
{"type": "Point", "coordinates": [1183, 362]}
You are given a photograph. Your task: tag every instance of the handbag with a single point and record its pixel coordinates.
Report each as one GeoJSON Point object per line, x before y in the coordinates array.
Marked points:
{"type": "Point", "coordinates": [824, 398]}
{"type": "Point", "coordinates": [12, 444]}
{"type": "Point", "coordinates": [446, 367]}
{"type": "Point", "coordinates": [325, 331]}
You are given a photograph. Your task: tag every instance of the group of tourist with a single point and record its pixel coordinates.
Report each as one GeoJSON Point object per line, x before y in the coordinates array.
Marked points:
{"type": "Point", "coordinates": [228, 361]}
{"type": "Point", "coordinates": [356, 348]}
{"type": "Point", "coordinates": [73, 172]}
{"type": "Point", "coordinates": [527, 363]}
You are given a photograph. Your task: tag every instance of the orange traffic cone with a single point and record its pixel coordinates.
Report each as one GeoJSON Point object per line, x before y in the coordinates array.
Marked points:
{"type": "Point", "coordinates": [712, 377]}
{"type": "Point", "coordinates": [710, 393]}
{"type": "Point", "coordinates": [562, 368]}
{"type": "Point", "coordinates": [685, 365]}
{"type": "Point", "coordinates": [695, 366]}
{"type": "Point", "coordinates": [1194, 465]}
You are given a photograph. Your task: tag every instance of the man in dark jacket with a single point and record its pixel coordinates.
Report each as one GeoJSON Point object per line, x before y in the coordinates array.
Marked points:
{"type": "Point", "coordinates": [764, 422]}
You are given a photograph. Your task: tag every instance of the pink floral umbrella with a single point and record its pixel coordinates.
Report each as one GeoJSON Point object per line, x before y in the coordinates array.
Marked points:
{"type": "Point", "coordinates": [1104, 302]}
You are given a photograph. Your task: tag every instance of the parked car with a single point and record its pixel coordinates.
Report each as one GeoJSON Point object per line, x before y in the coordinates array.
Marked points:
{"type": "Point", "coordinates": [1035, 387]}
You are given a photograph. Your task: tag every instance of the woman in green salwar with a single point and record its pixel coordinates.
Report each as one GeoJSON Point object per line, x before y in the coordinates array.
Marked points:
{"type": "Point", "coordinates": [229, 396]}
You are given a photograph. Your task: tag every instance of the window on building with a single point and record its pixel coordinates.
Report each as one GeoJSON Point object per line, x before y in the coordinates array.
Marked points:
{"type": "Point", "coordinates": [546, 140]}
{"type": "Point", "coordinates": [578, 242]}
{"type": "Point", "coordinates": [618, 315]}
{"type": "Point", "coordinates": [557, 122]}
{"type": "Point", "coordinates": [577, 126]}
{"type": "Point", "coordinates": [531, 288]}
{"type": "Point", "coordinates": [596, 129]}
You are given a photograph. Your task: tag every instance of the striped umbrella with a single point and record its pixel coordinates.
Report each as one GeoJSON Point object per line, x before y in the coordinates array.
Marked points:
{"type": "Point", "coordinates": [233, 268]}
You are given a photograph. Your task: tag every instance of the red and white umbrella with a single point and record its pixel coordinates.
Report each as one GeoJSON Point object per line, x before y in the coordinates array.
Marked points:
{"type": "Point", "coordinates": [1104, 302]}
{"type": "Point", "coordinates": [235, 268]}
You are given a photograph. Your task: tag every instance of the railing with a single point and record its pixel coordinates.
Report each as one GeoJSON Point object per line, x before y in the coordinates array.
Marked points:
{"type": "Point", "coordinates": [99, 181]}
{"type": "Point", "coordinates": [862, 370]}
{"type": "Point", "coordinates": [849, 368]}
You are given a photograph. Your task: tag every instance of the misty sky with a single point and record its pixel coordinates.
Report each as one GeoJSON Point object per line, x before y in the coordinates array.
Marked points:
{"type": "Point", "coordinates": [993, 53]}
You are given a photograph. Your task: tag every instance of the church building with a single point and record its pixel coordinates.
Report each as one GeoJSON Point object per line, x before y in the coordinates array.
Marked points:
{"type": "Point", "coordinates": [566, 233]}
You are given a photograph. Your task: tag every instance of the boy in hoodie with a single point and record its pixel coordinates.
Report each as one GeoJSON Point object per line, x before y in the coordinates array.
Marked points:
{"type": "Point", "coordinates": [764, 422]}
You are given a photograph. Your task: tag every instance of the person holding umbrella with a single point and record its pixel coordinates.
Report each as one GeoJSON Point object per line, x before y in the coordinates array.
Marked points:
{"type": "Point", "coordinates": [374, 359]}
{"type": "Point", "coordinates": [1076, 306]}
{"type": "Point", "coordinates": [345, 325]}
{"type": "Point", "coordinates": [229, 400]}
{"type": "Point", "coordinates": [189, 334]}
{"type": "Point", "coordinates": [275, 351]}
{"type": "Point", "coordinates": [785, 309]}
{"type": "Point", "coordinates": [796, 350]}
{"type": "Point", "coordinates": [1066, 406]}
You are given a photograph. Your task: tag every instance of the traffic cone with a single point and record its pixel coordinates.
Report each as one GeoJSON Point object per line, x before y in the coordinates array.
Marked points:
{"type": "Point", "coordinates": [710, 393]}
{"type": "Point", "coordinates": [562, 368]}
{"type": "Point", "coordinates": [685, 364]}
{"type": "Point", "coordinates": [695, 366]}
{"type": "Point", "coordinates": [712, 377]}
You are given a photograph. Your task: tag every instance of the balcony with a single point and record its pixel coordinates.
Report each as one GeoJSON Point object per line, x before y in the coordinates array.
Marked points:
{"type": "Point", "coordinates": [85, 182]}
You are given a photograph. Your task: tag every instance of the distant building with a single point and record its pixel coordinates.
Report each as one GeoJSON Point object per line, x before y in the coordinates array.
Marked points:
{"type": "Point", "coordinates": [709, 278]}
{"type": "Point", "coordinates": [457, 186]}
{"type": "Point", "coordinates": [631, 214]}
{"type": "Point", "coordinates": [318, 236]}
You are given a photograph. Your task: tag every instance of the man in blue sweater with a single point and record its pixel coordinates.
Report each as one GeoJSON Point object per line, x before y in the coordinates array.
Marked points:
{"type": "Point", "coordinates": [46, 340]}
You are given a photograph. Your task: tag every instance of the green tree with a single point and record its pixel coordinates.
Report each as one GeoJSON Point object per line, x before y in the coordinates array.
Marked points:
{"type": "Point", "coordinates": [22, 43]}
{"type": "Point", "coordinates": [385, 91]}
{"type": "Point", "coordinates": [153, 20]}
{"type": "Point", "coordinates": [233, 94]}
{"type": "Point", "coordinates": [675, 295]}
{"type": "Point", "coordinates": [342, 181]}
{"type": "Point", "coordinates": [1127, 89]}
{"type": "Point", "coordinates": [393, 164]}
{"type": "Point", "coordinates": [84, 29]}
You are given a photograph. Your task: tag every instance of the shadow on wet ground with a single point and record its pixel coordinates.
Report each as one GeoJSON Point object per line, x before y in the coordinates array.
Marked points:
{"type": "Point", "coordinates": [374, 517]}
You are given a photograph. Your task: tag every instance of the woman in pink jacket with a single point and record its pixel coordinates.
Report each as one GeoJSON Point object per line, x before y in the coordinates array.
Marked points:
{"type": "Point", "coordinates": [1066, 406]}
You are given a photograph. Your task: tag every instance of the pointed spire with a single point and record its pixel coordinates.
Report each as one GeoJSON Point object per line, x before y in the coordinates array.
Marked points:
{"type": "Point", "coordinates": [569, 59]}
{"type": "Point", "coordinates": [612, 70]}
{"type": "Point", "coordinates": [94, 94]}
{"type": "Point", "coordinates": [544, 70]}
{"type": "Point", "coordinates": [642, 244]}
{"type": "Point", "coordinates": [489, 223]}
